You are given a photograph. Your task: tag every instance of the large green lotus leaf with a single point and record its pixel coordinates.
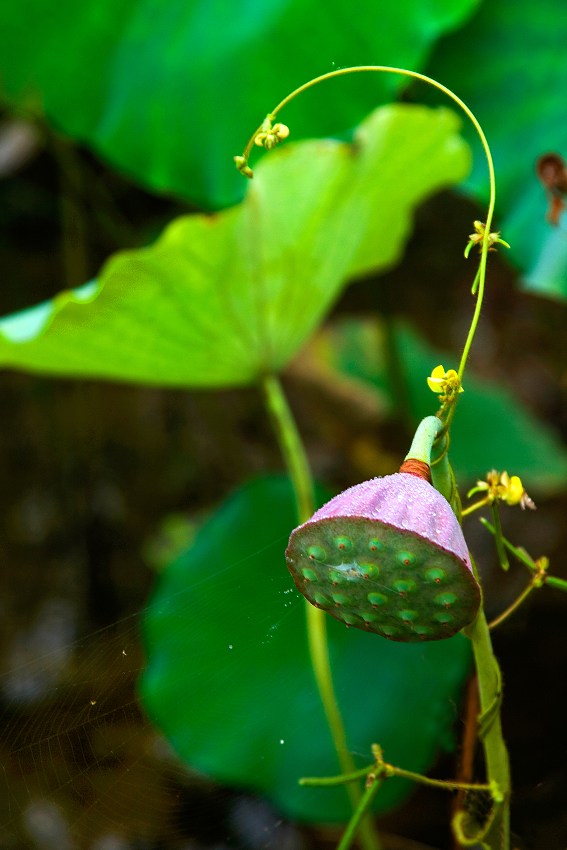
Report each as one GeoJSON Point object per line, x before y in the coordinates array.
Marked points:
{"type": "Point", "coordinates": [221, 299]}
{"type": "Point", "coordinates": [228, 678]}
{"type": "Point", "coordinates": [169, 90]}
{"type": "Point", "coordinates": [491, 429]}
{"type": "Point", "coordinates": [510, 66]}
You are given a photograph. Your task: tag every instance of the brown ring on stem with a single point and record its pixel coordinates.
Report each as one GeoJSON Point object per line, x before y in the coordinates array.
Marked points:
{"type": "Point", "coordinates": [418, 468]}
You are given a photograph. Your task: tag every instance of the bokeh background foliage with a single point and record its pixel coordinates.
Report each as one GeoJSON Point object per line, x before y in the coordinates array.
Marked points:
{"type": "Point", "coordinates": [176, 90]}
{"type": "Point", "coordinates": [167, 93]}
{"type": "Point", "coordinates": [171, 91]}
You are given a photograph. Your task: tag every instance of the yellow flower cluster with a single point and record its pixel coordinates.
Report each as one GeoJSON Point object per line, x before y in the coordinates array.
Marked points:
{"type": "Point", "coordinates": [477, 238]}
{"type": "Point", "coordinates": [499, 486]}
{"type": "Point", "coordinates": [269, 136]}
{"type": "Point", "coordinates": [446, 384]}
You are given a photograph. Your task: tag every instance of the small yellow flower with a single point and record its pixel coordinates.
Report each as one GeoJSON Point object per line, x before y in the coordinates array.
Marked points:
{"type": "Point", "coordinates": [446, 384]}
{"type": "Point", "coordinates": [512, 489]}
{"type": "Point", "coordinates": [477, 238]}
{"type": "Point", "coordinates": [499, 486]}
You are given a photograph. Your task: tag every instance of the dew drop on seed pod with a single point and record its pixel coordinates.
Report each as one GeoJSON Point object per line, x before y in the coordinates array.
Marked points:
{"type": "Point", "coordinates": [387, 556]}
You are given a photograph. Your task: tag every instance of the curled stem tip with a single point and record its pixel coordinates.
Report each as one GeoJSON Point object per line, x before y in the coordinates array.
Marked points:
{"type": "Point", "coordinates": [270, 133]}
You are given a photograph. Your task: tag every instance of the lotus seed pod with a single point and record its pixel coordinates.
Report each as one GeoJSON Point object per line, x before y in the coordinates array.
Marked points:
{"type": "Point", "coordinates": [388, 556]}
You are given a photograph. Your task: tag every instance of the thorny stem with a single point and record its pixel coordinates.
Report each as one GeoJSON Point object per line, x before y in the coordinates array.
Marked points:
{"type": "Point", "coordinates": [298, 467]}
{"type": "Point", "coordinates": [490, 729]}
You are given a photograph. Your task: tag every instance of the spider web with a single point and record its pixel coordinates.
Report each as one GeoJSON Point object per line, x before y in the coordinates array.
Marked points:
{"type": "Point", "coordinates": [92, 471]}
{"type": "Point", "coordinates": [82, 767]}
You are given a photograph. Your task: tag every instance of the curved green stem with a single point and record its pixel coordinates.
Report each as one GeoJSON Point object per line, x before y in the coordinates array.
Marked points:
{"type": "Point", "coordinates": [480, 289]}
{"type": "Point", "coordinates": [298, 467]}
{"type": "Point", "coordinates": [511, 609]}
{"type": "Point", "coordinates": [534, 566]}
{"type": "Point", "coordinates": [291, 447]}
{"type": "Point", "coordinates": [331, 781]}
{"type": "Point", "coordinates": [558, 583]}
{"type": "Point", "coordinates": [388, 770]}
{"type": "Point", "coordinates": [360, 813]}
{"type": "Point", "coordinates": [497, 835]}
{"type": "Point", "coordinates": [444, 784]}
{"type": "Point", "coordinates": [482, 503]}
{"type": "Point", "coordinates": [319, 653]}
{"type": "Point", "coordinates": [423, 439]}
{"type": "Point", "coordinates": [479, 282]}
{"type": "Point", "coordinates": [518, 553]}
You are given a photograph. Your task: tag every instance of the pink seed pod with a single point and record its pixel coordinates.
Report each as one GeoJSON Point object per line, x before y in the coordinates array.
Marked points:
{"type": "Point", "coordinates": [388, 556]}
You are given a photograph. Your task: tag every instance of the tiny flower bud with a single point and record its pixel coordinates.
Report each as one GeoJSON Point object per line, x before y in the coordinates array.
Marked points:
{"type": "Point", "coordinates": [242, 166]}
{"type": "Point", "coordinates": [477, 238]}
{"type": "Point", "coordinates": [514, 490]}
{"type": "Point", "coordinates": [281, 131]}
